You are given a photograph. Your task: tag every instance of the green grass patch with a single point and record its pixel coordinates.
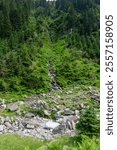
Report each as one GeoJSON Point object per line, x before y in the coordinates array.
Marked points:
{"type": "Point", "coordinates": [15, 142]}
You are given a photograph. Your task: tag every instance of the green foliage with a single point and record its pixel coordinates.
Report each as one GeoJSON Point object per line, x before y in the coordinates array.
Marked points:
{"type": "Point", "coordinates": [36, 33]}
{"type": "Point", "coordinates": [26, 143]}
{"type": "Point", "coordinates": [89, 123]}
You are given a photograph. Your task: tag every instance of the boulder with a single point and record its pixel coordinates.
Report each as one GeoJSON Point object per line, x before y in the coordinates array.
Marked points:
{"type": "Point", "coordinates": [59, 129]}
{"type": "Point", "coordinates": [51, 125]}
{"type": "Point", "coordinates": [1, 128]}
{"type": "Point", "coordinates": [13, 106]}
{"type": "Point", "coordinates": [29, 115]}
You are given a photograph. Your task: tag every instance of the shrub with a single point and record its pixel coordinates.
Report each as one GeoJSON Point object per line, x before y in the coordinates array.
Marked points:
{"type": "Point", "coordinates": [89, 123]}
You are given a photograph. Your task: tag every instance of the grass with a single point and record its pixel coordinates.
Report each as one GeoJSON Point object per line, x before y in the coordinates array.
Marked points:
{"type": "Point", "coordinates": [15, 142]}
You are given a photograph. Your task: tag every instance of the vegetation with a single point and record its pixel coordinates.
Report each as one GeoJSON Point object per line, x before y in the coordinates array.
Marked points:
{"type": "Point", "coordinates": [38, 37]}
{"type": "Point", "coordinates": [35, 34]}
{"type": "Point", "coordinates": [21, 143]}
{"type": "Point", "coordinates": [89, 123]}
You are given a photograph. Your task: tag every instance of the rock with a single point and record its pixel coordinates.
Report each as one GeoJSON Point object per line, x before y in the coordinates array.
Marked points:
{"type": "Point", "coordinates": [58, 96]}
{"type": "Point", "coordinates": [65, 147]}
{"type": "Point", "coordinates": [13, 106]}
{"type": "Point", "coordinates": [67, 112]}
{"type": "Point", "coordinates": [77, 112]}
{"type": "Point", "coordinates": [69, 122]}
{"type": "Point", "coordinates": [81, 105]}
{"type": "Point", "coordinates": [47, 113]}
{"type": "Point", "coordinates": [59, 114]}
{"type": "Point", "coordinates": [69, 125]}
{"type": "Point", "coordinates": [7, 119]}
{"type": "Point", "coordinates": [30, 126]}
{"type": "Point", "coordinates": [2, 104]}
{"type": "Point", "coordinates": [2, 120]}
{"type": "Point", "coordinates": [8, 125]}
{"type": "Point", "coordinates": [73, 118]}
{"type": "Point", "coordinates": [38, 103]}
{"type": "Point", "coordinates": [29, 115]}
{"type": "Point", "coordinates": [51, 125]}
{"type": "Point", "coordinates": [68, 92]}
{"type": "Point", "coordinates": [1, 128]}
{"type": "Point", "coordinates": [43, 95]}
{"type": "Point", "coordinates": [59, 129]}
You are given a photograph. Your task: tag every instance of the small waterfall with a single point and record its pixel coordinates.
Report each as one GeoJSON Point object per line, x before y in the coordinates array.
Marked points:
{"type": "Point", "coordinates": [52, 75]}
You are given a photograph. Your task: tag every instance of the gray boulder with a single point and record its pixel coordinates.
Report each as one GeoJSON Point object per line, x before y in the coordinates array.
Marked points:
{"type": "Point", "coordinates": [13, 106]}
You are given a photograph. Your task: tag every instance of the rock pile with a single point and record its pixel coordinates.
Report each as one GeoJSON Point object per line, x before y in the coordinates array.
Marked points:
{"type": "Point", "coordinates": [42, 128]}
{"type": "Point", "coordinates": [47, 116]}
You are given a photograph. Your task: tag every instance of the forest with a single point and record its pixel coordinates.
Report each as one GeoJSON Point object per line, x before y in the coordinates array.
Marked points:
{"type": "Point", "coordinates": [33, 34]}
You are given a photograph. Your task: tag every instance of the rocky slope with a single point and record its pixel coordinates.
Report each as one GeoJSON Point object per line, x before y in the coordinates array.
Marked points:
{"type": "Point", "coordinates": [49, 115]}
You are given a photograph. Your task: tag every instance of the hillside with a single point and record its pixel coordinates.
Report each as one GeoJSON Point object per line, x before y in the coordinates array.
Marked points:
{"type": "Point", "coordinates": [49, 73]}
{"type": "Point", "coordinates": [60, 37]}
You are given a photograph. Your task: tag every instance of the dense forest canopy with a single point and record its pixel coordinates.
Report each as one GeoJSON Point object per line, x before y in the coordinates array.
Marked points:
{"type": "Point", "coordinates": [61, 33]}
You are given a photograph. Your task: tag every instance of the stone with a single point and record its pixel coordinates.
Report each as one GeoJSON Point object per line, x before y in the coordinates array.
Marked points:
{"type": "Point", "coordinates": [29, 115]}
{"type": "Point", "coordinates": [2, 104]}
{"type": "Point", "coordinates": [73, 118]}
{"type": "Point", "coordinates": [81, 105]}
{"type": "Point", "coordinates": [13, 106]}
{"type": "Point", "coordinates": [59, 129]}
{"type": "Point", "coordinates": [8, 125]}
{"type": "Point", "coordinates": [67, 112]}
{"type": "Point", "coordinates": [69, 122]}
{"type": "Point", "coordinates": [68, 92]}
{"type": "Point", "coordinates": [1, 128]}
{"type": "Point", "coordinates": [30, 126]}
{"type": "Point", "coordinates": [58, 96]}
{"type": "Point", "coordinates": [51, 125]}
{"type": "Point", "coordinates": [43, 95]}
{"type": "Point", "coordinates": [59, 114]}
{"type": "Point", "coordinates": [47, 113]}
{"type": "Point", "coordinates": [77, 112]}
{"type": "Point", "coordinates": [39, 103]}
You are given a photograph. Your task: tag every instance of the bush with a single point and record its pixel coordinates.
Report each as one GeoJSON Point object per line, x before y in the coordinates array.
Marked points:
{"type": "Point", "coordinates": [89, 123]}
